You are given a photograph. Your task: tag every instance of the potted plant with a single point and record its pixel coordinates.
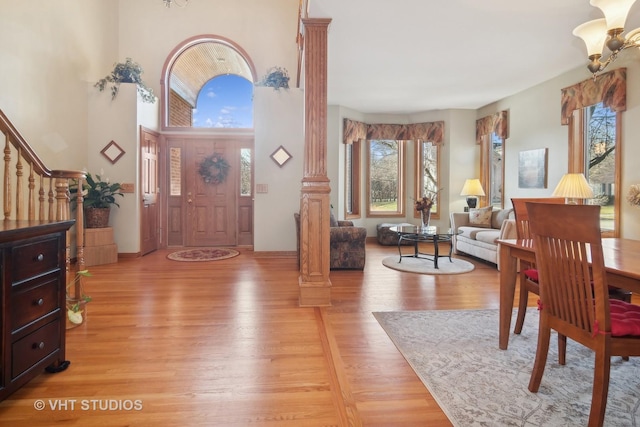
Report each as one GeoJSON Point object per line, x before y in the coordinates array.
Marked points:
{"type": "Point", "coordinates": [276, 77]}
{"type": "Point", "coordinates": [98, 197]}
{"type": "Point", "coordinates": [77, 300]}
{"type": "Point", "coordinates": [126, 72]}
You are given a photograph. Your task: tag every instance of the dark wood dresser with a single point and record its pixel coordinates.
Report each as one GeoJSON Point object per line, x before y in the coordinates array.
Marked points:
{"type": "Point", "coordinates": [33, 318]}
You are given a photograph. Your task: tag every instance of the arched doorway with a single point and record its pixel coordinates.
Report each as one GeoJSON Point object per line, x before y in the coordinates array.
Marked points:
{"type": "Point", "coordinates": [199, 210]}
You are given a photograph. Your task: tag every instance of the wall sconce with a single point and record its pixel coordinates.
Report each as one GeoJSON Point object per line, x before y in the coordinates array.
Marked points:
{"type": "Point", "coordinates": [573, 186]}
{"type": "Point", "coordinates": [472, 189]}
{"type": "Point", "coordinates": [608, 29]}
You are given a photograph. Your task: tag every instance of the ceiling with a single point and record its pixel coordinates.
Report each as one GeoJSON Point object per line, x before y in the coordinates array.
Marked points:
{"type": "Point", "coordinates": [408, 56]}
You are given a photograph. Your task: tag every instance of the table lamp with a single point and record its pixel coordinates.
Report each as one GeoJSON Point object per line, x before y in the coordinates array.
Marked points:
{"type": "Point", "coordinates": [573, 186]}
{"type": "Point", "coordinates": [472, 189]}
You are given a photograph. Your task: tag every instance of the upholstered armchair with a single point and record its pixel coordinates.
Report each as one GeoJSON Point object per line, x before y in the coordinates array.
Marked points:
{"type": "Point", "coordinates": [347, 244]}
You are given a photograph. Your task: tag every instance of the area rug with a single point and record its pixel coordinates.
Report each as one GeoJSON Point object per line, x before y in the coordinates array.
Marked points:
{"type": "Point", "coordinates": [425, 266]}
{"type": "Point", "coordinates": [205, 254]}
{"type": "Point", "coordinates": [456, 355]}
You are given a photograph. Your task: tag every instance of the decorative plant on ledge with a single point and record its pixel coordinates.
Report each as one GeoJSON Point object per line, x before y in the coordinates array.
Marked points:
{"type": "Point", "coordinates": [276, 77]}
{"type": "Point", "coordinates": [126, 72]}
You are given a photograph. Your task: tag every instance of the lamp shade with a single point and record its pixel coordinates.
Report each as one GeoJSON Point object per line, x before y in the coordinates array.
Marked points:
{"type": "Point", "coordinates": [573, 186]}
{"type": "Point", "coordinates": [615, 11]}
{"type": "Point", "coordinates": [594, 34]}
{"type": "Point", "coordinates": [472, 187]}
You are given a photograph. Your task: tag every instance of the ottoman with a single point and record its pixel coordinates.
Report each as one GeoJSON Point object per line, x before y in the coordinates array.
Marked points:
{"type": "Point", "coordinates": [387, 237]}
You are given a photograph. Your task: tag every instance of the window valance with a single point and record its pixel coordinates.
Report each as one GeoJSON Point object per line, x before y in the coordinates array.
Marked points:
{"type": "Point", "coordinates": [428, 131]}
{"type": "Point", "coordinates": [610, 88]}
{"type": "Point", "coordinates": [496, 123]}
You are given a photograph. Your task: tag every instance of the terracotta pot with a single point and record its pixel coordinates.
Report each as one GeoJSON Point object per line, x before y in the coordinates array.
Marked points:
{"type": "Point", "coordinates": [96, 217]}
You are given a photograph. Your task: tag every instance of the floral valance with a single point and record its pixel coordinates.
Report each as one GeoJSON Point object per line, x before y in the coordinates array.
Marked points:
{"type": "Point", "coordinates": [496, 123]}
{"type": "Point", "coordinates": [428, 131]}
{"type": "Point", "coordinates": [610, 88]}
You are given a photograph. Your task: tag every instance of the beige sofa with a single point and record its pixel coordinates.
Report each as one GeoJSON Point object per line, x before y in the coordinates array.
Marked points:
{"type": "Point", "coordinates": [480, 242]}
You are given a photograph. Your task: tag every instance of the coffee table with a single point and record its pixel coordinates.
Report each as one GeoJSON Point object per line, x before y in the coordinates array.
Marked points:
{"type": "Point", "coordinates": [417, 234]}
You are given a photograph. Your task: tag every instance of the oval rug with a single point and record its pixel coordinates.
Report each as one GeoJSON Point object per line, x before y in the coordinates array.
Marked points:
{"type": "Point", "coordinates": [425, 266]}
{"type": "Point", "coordinates": [203, 254]}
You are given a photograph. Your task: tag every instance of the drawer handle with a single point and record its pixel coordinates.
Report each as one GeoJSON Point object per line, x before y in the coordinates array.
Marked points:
{"type": "Point", "coordinates": [40, 301]}
{"type": "Point", "coordinates": [40, 257]}
{"type": "Point", "coordinates": [38, 346]}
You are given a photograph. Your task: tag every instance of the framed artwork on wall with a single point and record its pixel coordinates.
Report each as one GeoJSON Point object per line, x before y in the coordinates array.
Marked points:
{"type": "Point", "coordinates": [113, 152]}
{"type": "Point", "coordinates": [532, 168]}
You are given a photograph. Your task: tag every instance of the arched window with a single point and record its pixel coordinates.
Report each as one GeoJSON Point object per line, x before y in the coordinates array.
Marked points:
{"type": "Point", "coordinates": [207, 83]}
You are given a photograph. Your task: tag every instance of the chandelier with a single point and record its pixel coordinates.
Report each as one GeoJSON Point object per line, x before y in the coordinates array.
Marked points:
{"type": "Point", "coordinates": [607, 30]}
{"type": "Point", "coordinates": [169, 3]}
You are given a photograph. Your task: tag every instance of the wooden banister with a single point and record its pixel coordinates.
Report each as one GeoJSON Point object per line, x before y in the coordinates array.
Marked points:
{"type": "Point", "coordinates": [44, 192]}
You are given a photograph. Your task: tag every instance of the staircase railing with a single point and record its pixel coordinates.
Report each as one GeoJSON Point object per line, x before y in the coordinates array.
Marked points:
{"type": "Point", "coordinates": [33, 192]}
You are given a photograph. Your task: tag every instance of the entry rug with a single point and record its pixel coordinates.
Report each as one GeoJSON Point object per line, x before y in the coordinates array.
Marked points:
{"type": "Point", "coordinates": [205, 254]}
{"type": "Point", "coordinates": [456, 355]}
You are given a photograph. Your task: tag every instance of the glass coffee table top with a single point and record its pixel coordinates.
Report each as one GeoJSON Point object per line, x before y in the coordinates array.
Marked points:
{"type": "Point", "coordinates": [416, 235]}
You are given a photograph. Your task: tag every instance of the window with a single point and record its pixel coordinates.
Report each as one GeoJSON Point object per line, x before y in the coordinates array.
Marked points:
{"type": "Point", "coordinates": [245, 172]}
{"type": "Point", "coordinates": [599, 162]}
{"type": "Point", "coordinates": [207, 83]}
{"type": "Point", "coordinates": [427, 174]}
{"type": "Point", "coordinates": [224, 102]}
{"type": "Point", "coordinates": [352, 179]}
{"type": "Point", "coordinates": [385, 177]}
{"type": "Point", "coordinates": [492, 169]}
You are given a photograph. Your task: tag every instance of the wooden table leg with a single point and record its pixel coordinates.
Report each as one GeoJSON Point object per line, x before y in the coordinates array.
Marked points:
{"type": "Point", "coordinates": [508, 274]}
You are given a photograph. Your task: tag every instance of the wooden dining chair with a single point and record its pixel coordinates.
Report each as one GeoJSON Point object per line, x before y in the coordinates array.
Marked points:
{"type": "Point", "coordinates": [574, 297]}
{"type": "Point", "coordinates": [528, 276]}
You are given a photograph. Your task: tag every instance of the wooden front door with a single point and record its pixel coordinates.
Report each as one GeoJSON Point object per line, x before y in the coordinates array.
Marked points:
{"type": "Point", "coordinates": [208, 214]}
{"type": "Point", "coordinates": [149, 142]}
{"type": "Point", "coordinates": [211, 207]}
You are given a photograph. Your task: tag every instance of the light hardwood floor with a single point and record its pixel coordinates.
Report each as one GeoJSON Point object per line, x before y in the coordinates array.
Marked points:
{"type": "Point", "coordinates": [225, 343]}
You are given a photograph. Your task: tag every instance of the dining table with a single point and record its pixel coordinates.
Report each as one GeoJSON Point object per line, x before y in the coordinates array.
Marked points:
{"type": "Point", "coordinates": [621, 261]}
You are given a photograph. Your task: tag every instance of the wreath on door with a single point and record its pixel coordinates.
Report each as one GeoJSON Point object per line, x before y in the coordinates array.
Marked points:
{"type": "Point", "coordinates": [214, 169]}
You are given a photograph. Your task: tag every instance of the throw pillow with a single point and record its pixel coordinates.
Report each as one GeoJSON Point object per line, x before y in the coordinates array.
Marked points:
{"type": "Point", "coordinates": [480, 217]}
{"type": "Point", "coordinates": [500, 217]}
{"type": "Point", "coordinates": [332, 221]}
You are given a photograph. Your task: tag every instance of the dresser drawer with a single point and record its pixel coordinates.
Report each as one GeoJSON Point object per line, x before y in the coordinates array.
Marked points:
{"type": "Point", "coordinates": [34, 347]}
{"type": "Point", "coordinates": [33, 259]}
{"type": "Point", "coordinates": [30, 302]}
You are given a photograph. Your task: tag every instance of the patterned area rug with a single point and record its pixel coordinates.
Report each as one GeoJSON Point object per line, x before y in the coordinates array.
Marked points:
{"type": "Point", "coordinates": [205, 254]}
{"type": "Point", "coordinates": [425, 266]}
{"type": "Point", "coordinates": [456, 355]}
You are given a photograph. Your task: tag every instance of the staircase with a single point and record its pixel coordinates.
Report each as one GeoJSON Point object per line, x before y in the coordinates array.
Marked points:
{"type": "Point", "coordinates": [31, 192]}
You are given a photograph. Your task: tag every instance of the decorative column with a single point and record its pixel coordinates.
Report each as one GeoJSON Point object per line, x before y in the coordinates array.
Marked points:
{"type": "Point", "coordinates": [315, 207]}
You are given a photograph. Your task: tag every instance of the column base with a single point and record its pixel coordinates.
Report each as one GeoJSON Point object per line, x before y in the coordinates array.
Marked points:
{"type": "Point", "coordinates": [314, 295]}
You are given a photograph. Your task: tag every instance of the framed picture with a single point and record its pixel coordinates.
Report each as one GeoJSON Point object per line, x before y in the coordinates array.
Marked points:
{"type": "Point", "coordinates": [113, 152]}
{"type": "Point", "coordinates": [532, 168]}
{"type": "Point", "coordinates": [281, 156]}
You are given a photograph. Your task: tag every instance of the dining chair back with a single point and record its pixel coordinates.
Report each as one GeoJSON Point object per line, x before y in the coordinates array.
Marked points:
{"type": "Point", "coordinates": [574, 297]}
{"type": "Point", "coordinates": [528, 275]}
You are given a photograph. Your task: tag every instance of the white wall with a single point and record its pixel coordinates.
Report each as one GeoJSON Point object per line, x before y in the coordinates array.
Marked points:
{"type": "Point", "coordinates": [49, 52]}
{"type": "Point", "coordinates": [534, 122]}
{"type": "Point", "coordinates": [274, 226]}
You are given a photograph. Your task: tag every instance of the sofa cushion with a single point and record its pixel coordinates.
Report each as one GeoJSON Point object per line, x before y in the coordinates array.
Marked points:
{"type": "Point", "coordinates": [480, 217]}
{"type": "Point", "coordinates": [488, 236]}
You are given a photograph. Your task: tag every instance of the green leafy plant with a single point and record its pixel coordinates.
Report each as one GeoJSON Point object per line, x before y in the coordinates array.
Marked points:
{"type": "Point", "coordinates": [126, 72]}
{"type": "Point", "coordinates": [276, 77]}
{"type": "Point", "coordinates": [78, 299]}
{"type": "Point", "coordinates": [97, 193]}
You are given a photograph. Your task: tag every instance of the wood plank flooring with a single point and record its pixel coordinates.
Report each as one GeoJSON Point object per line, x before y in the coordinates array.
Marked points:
{"type": "Point", "coordinates": [225, 343]}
